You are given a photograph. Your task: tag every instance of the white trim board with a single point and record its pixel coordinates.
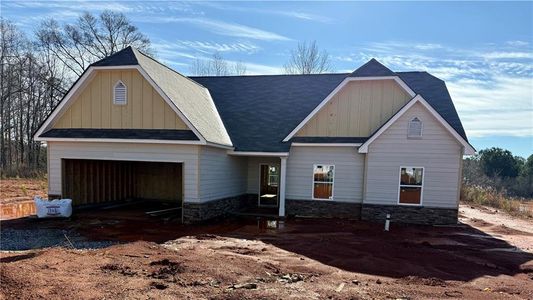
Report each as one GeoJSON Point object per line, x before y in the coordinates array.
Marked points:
{"type": "Point", "coordinates": [468, 149]}
{"type": "Point", "coordinates": [84, 80]}
{"type": "Point", "coordinates": [337, 89]}
{"type": "Point", "coordinates": [251, 153]}
{"type": "Point", "coordinates": [104, 140]}
{"type": "Point", "coordinates": [326, 144]}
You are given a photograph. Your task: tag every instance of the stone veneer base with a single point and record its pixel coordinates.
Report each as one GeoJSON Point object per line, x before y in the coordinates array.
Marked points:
{"type": "Point", "coordinates": [323, 208]}
{"type": "Point", "coordinates": [410, 214]}
{"type": "Point", "coordinates": [199, 212]}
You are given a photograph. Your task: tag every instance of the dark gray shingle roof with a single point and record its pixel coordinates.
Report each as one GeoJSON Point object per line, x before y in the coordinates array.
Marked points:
{"type": "Point", "coordinates": [148, 134]}
{"type": "Point", "coordinates": [260, 111]}
{"type": "Point", "coordinates": [372, 68]}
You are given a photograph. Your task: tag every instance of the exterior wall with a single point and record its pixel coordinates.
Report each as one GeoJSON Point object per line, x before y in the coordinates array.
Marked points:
{"type": "Point", "coordinates": [437, 151]}
{"type": "Point", "coordinates": [186, 154]}
{"type": "Point", "coordinates": [253, 171]}
{"type": "Point", "coordinates": [348, 180]}
{"type": "Point", "coordinates": [93, 107]}
{"type": "Point", "coordinates": [221, 175]}
{"type": "Point", "coordinates": [357, 110]}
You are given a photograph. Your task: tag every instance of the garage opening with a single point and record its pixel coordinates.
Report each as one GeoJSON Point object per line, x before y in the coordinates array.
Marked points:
{"type": "Point", "coordinates": [100, 181]}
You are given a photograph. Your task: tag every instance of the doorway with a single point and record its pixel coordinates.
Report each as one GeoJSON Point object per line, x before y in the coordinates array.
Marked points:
{"type": "Point", "coordinates": [268, 185]}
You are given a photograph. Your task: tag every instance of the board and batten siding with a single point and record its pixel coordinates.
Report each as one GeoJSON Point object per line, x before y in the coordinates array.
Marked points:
{"type": "Point", "coordinates": [357, 110]}
{"type": "Point", "coordinates": [93, 106]}
{"type": "Point", "coordinates": [349, 169]}
{"type": "Point", "coordinates": [186, 154]}
{"type": "Point", "coordinates": [221, 175]}
{"type": "Point", "coordinates": [437, 151]}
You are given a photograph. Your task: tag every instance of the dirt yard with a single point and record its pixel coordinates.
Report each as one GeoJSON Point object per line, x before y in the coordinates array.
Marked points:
{"type": "Point", "coordinates": [489, 256]}
{"type": "Point", "coordinates": [306, 259]}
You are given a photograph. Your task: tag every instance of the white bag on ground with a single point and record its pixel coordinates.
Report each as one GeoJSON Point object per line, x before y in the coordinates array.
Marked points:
{"type": "Point", "coordinates": [53, 208]}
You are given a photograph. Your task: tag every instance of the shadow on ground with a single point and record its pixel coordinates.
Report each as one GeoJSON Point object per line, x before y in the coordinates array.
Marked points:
{"type": "Point", "coordinates": [448, 253]}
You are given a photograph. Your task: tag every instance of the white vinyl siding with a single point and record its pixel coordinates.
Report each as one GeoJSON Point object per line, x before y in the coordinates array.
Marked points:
{"type": "Point", "coordinates": [253, 171]}
{"type": "Point", "coordinates": [186, 154]}
{"type": "Point", "coordinates": [437, 152]}
{"type": "Point", "coordinates": [349, 167]}
{"type": "Point", "coordinates": [221, 175]}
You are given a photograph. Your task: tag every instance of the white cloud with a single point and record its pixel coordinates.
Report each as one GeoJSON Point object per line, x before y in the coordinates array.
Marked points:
{"type": "Point", "coordinates": [211, 47]}
{"type": "Point", "coordinates": [288, 13]}
{"type": "Point", "coordinates": [492, 87]}
{"type": "Point", "coordinates": [222, 28]}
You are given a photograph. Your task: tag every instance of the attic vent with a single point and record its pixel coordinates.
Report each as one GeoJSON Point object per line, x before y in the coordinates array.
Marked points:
{"type": "Point", "coordinates": [414, 129]}
{"type": "Point", "coordinates": [120, 94]}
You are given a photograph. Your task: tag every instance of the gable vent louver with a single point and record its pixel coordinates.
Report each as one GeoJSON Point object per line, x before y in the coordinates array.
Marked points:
{"type": "Point", "coordinates": [120, 94]}
{"type": "Point", "coordinates": [414, 128]}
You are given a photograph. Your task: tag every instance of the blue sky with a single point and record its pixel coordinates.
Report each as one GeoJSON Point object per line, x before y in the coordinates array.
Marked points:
{"type": "Point", "coordinates": [483, 50]}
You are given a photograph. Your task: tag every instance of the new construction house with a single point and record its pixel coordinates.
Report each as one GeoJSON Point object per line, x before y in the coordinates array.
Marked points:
{"type": "Point", "coordinates": [353, 145]}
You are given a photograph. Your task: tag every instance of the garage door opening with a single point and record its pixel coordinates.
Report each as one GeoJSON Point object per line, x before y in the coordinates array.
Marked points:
{"type": "Point", "coordinates": [99, 181]}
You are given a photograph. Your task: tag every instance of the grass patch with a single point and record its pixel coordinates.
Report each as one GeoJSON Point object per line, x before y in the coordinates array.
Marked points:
{"type": "Point", "coordinates": [487, 196]}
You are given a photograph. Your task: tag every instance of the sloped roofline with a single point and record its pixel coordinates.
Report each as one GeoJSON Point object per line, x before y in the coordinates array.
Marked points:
{"type": "Point", "coordinates": [347, 80]}
{"type": "Point", "coordinates": [85, 78]}
{"type": "Point", "coordinates": [467, 150]}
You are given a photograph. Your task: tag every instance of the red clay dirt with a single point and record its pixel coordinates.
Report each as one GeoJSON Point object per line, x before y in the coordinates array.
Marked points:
{"type": "Point", "coordinates": [306, 259]}
{"type": "Point", "coordinates": [16, 196]}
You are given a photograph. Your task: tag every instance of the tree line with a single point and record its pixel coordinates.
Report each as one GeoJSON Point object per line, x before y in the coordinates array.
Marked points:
{"type": "Point", "coordinates": [499, 169]}
{"type": "Point", "coordinates": [36, 72]}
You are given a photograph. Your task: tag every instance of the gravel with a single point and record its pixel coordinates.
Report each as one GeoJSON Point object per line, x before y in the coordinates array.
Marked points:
{"type": "Point", "coordinates": [36, 238]}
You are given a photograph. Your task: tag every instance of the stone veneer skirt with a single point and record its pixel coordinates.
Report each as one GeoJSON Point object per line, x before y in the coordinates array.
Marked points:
{"type": "Point", "coordinates": [323, 208]}
{"type": "Point", "coordinates": [410, 214]}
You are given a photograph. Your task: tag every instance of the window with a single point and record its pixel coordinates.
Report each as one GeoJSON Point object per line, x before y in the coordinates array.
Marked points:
{"type": "Point", "coordinates": [323, 176]}
{"type": "Point", "coordinates": [120, 94]}
{"type": "Point", "coordinates": [273, 176]}
{"type": "Point", "coordinates": [414, 129]}
{"type": "Point", "coordinates": [411, 182]}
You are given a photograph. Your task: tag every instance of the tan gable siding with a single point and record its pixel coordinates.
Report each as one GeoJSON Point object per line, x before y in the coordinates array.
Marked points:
{"type": "Point", "coordinates": [94, 108]}
{"type": "Point", "coordinates": [357, 110]}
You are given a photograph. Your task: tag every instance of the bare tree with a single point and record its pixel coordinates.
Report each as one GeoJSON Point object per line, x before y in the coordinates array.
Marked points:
{"type": "Point", "coordinates": [90, 38]}
{"type": "Point", "coordinates": [308, 59]}
{"type": "Point", "coordinates": [216, 66]}
{"type": "Point", "coordinates": [30, 86]}
{"type": "Point", "coordinates": [239, 68]}
{"type": "Point", "coordinates": [35, 74]}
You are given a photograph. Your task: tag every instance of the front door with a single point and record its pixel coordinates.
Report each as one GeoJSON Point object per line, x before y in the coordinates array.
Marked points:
{"type": "Point", "coordinates": [268, 185]}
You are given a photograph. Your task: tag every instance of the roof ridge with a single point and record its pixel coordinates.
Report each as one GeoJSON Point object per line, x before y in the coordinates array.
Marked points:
{"type": "Point", "coordinates": [169, 68]}
{"type": "Point", "coordinates": [266, 75]}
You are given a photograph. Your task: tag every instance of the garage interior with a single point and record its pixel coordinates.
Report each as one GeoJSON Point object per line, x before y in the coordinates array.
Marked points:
{"type": "Point", "coordinates": [93, 182]}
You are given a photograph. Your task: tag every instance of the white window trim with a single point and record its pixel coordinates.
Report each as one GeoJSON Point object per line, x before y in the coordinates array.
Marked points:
{"type": "Point", "coordinates": [125, 93]}
{"type": "Point", "coordinates": [332, 184]}
{"type": "Point", "coordinates": [421, 129]}
{"type": "Point", "coordinates": [407, 185]}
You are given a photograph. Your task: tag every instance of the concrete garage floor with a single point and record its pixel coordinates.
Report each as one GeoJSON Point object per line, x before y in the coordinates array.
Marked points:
{"type": "Point", "coordinates": [305, 259]}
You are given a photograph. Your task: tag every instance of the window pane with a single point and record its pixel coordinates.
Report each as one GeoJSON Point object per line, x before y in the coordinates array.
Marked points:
{"type": "Point", "coordinates": [411, 176]}
{"type": "Point", "coordinates": [410, 195]}
{"type": "Point", "coordinates": [323, 191]}
{"type": "Point", "coordinates": [324, 173]}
